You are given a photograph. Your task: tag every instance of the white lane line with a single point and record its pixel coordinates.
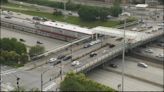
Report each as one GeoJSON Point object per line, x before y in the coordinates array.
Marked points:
{"type": "Point", "coordinates": [49, 87]}
{"type": "Point", "coordinates": [5, 73]}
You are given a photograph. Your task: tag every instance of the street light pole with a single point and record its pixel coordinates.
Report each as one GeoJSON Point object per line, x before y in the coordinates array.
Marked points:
{"type": "Point", "coordinates": [123, 56]}
{"type": "Point", "coordinates": [61, 69]}
{"type": "Point", "coordinates": [41, 81]}
{"type": "Point", "coordinates": [41, 77]}
{"type": "Point", "coordinates": [64, 9]}
{"type": "Point", "coordinates": [0, 78]}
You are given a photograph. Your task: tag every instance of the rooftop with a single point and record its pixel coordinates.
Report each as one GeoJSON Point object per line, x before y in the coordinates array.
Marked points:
{"type": "Point", "coordinates": [66, 26]}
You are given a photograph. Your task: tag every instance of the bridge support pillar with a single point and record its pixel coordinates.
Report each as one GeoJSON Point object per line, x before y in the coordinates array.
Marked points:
{"type": "Point", "coordinates": [96, 36]}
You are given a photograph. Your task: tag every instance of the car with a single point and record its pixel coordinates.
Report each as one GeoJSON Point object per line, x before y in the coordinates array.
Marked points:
{"type": "Point", "coordinates": [160, 56]}
{"type": "Point", "coordinates": [8, 16]}
{"type": "Point", "coordinates": [93, 54]}
{"type": "Point", "coordinates": [111, 45]}
{"type": "Point", "coordinates": [38, 42]}
{"type": "Point", "coordinates": [36, 18]}
{"type": "Point", "coordinates": [51, 60]}
{"type": "Point", "coordinates": [94, 42]}
{"type": "Point", "coordinates": [75, 63]}
{"type": "Point", "coordinates": [69, 13]}
{"type": "Point", "coordinates": [149, 50]}
{"type": "Point", "coordinates": [56, 62]}
{"type": "Point", "coordinates": [113, 65]}
{"type": "Point", "coordinates": [134, 29]}
{"type": "Point", "coordinates": [67, 58]}
{"type": "Point", "coordinates": [104, 51]}
{"type": "Point", "coordinates": [60, 56]}
{"type": "Point", "coordinates": [141, 64]}
{"type": "Point", "coordinates": [87, 45]}
{"type": "Point", "coordinates": [22, 40]}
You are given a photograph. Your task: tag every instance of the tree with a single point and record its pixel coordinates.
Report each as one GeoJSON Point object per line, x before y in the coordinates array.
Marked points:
{"type": "Point", "coordinates": [115, 10]}
{"type": "Point", "coordinates": [12, 45]}
{"type": "Point", "coordinates": [78, 82]}
{"type": "Point", "coordinates": [4, 1]}
{"type": "Point", "coordinates": [103, 13]}
{"type": "Point", "coordinates": [161, 1]}
{"type": "Point", "coordinates": [36, 50]}
{"type": "Point", "coordinates": [88, 13]}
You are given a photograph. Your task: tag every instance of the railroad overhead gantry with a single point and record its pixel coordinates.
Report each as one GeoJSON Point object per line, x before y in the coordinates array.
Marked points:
{"type": "Point", "coordinates": [118, 32]}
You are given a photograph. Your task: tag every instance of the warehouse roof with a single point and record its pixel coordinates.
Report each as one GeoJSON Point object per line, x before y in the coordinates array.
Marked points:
{"type": "Point", "coordinates": [66, 26]}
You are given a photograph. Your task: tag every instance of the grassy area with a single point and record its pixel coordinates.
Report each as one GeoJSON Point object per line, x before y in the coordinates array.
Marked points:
{"type": "Point", "coordinates": [69, 19]}
{"type": "Point", "coordinates": [17, 6]}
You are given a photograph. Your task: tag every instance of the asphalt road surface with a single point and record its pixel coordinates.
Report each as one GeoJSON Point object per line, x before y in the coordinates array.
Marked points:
{"type": "Point", "coordinates": [113, 79]}
{"type": "Point", "coordinates": [31, 39]}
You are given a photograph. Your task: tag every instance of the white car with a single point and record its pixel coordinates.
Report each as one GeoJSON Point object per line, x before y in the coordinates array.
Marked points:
{"type": "Point", "coordinates": [160, 56]}
{"type": "Point", "coordinates": [74, 63]}
{"type": "Point", "coordinates": [94, 42]}
{"type": "Point", "coordinates": [149, 50]}
{"type": "Point", "coordinates": [51, 60]}
{"type": "Point", "coordinates": [104, 51]}
{"type": "Point", "coordinates": [141, 64]}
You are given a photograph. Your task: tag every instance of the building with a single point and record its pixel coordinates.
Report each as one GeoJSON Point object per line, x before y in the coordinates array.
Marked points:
{"type": "Point", "coordinates": [57, 30]}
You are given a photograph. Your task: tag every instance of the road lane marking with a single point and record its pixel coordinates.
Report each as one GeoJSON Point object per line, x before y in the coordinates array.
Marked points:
{"type": "Point", "coordinates": [8, 72]}
{"type": "Point", "coordinates": [49, 87]}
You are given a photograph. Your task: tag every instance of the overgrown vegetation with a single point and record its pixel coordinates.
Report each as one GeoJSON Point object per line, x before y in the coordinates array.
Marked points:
{"type": "Point", "coordinates": [13, 53]}
{"type": "Point", "coordinates": [36, 50]}
{"type": "Point", "coordinates": [78, 82]}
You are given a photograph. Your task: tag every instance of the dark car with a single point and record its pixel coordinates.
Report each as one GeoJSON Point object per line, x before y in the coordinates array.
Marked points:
{"type": "Point", "coordinates": [36, 18]}
{"type": "Point", "coordinates": [56, 62]}
{"type": "Point", "coordinates": [111, 45]}
{"type": "Point", "coordinates": [113, 65]}
{"type": "Point", "coordinates": [38, 42]}
{"type": "Point", "coordinates": [60, 56]}
{"type": "Point", "coordinates": [67, 58]}
{"type": "Point", "coordinates": [93, 54]}
{"type": "Point", "coordinates": [22, 40]}
{"type": "Point", "coordinates": [87, 45]}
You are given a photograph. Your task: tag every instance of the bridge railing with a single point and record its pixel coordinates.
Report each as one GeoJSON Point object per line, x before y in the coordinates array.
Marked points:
{"type": "Point", "coordinates": [61, 48]}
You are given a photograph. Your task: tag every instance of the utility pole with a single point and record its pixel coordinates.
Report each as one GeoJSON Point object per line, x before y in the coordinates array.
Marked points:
{"type": "Point", "coordinates": [61, 69]}
{"type": "Point", "coordinates": [41, 82]}
{"type": "Point", "coordinates": [0, 78]}
{"type": "Point", "coordinates": [64, 9]}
